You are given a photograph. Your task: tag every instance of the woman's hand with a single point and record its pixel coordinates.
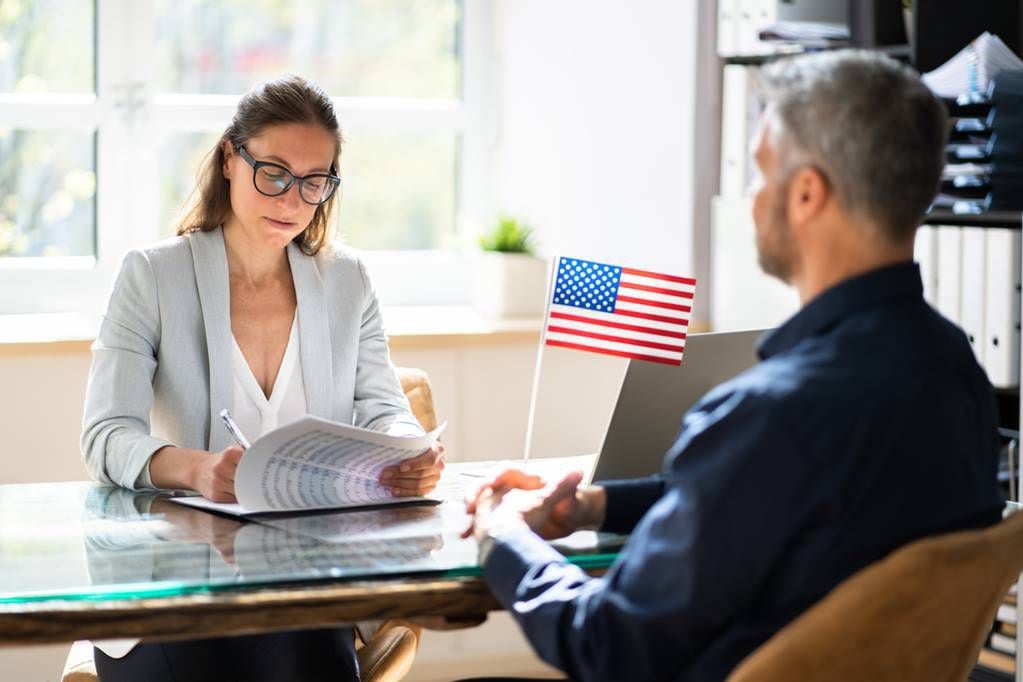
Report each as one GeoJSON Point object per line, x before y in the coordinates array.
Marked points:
{"type": "Point", "coordinates": [417, 475]}
{"type": "Point", "coordinates": [213, 475]}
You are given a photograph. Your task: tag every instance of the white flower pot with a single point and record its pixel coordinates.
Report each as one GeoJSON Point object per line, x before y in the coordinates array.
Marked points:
{"type": "Point", "coordinates": [510, 284]}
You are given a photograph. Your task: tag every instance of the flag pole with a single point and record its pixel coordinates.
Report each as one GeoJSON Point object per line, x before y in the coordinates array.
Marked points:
{"type": "Point", "coordinates": [553, 269]}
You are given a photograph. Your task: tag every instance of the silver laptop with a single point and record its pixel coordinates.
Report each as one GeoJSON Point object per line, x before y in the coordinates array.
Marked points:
{"type": "Point", "coordinates": [648, 414]}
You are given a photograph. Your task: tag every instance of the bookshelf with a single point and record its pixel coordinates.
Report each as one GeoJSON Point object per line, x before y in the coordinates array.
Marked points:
{"type": "Point", "coordinates": [742, 297]}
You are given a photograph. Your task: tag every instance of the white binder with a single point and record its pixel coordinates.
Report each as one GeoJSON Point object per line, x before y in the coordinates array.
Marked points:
{"type": "Point", "coordinates": [925, 252]}
{"type": "Point", "coordinates": [754, 15]}
{"type": "Point", "coordinates": [950, 272]}
{"type": "Point", "coordinates": [974, 286]}
{"type": "Point", "coordinates": [1001, 318]}
{"type": "Point", "coordinates": [734, 143]}
{"type": "Point", "coordinates": [728, 27]}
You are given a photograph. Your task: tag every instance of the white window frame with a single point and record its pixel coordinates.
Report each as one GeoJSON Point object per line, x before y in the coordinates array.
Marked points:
{"type": "Point", "coordinates": [125, 111]}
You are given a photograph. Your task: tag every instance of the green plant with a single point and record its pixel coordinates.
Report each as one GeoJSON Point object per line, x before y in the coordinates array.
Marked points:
{"type": "Point", "coordinates": [509, 235]}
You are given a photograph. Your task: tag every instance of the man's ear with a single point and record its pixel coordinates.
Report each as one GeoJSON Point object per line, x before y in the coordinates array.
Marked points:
{"type": "Point", "coordinates": [225, 146]}
{"type": "Point", "coordinates": [809, 192]}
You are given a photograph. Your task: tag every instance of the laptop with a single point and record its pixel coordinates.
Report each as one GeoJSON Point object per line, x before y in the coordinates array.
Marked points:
{"type": "Point", "coordinates": [648, 414]}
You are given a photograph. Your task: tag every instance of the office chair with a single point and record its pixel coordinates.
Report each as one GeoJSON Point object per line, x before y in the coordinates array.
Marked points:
{"type": "Point", "coordinates": [921, 613]}
{"type": "Point", "coordinates": [389, 653]}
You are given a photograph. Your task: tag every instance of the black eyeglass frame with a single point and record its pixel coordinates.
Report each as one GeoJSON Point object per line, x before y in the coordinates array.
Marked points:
{"type": "Point", "coordinates": [333, 181]}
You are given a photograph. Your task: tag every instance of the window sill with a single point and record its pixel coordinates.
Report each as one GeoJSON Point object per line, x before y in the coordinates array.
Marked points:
{"type": "Point", "coordinates": [407, 326]}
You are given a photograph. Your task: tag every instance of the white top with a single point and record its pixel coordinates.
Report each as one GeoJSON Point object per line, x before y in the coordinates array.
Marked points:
{"type": "Point", "coordinates": [255, 415]}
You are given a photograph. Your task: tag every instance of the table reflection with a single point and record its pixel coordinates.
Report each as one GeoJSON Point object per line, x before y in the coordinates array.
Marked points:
{"type": "Point", "coordinates": [133, 538]}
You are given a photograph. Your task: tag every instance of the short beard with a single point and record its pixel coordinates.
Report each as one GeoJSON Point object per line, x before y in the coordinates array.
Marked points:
{"type": "Point", "coordinates": [774, 250]}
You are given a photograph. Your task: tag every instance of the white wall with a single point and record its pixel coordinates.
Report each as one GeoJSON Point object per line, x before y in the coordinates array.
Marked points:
{"type": "Point", "coordinates": [596, 138]}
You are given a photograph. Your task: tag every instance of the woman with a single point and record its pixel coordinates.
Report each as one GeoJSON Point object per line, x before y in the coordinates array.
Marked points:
{"type": "Point", "coordinates": [248, 309]}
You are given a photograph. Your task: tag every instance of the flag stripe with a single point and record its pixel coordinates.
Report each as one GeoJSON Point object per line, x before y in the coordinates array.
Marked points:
{"type": "Point", "coordinates": [673, 326]}
{"type": "Point", "coordinates": [661, 284]}
{"type": "Point", "coordinates": [656, 304]}
{"type": "Point", "coordinates": [607, 351]}
{"type": "Point", "coordinates": [647, 316]}
{"type": "Point", "coordinates": [650, 296]}
{"type": "Point", "coordinates": [657, 290]}
{"type": "Point", "coordinates": [623, 346]}
{"type": "Point", "coordinates": [680, 335]}
{"type": "Point", "coordinates": [618, 339]}
{"type": "Point", "coordinates": [571, 325]}
{"type": "Point", "coordinates": [658, 275]}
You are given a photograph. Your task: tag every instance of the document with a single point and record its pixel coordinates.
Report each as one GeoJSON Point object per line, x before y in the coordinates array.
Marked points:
{"type": "Point", "coordinates": [973, 67]}
{"type": "Point", "coordinates": [314, 463]}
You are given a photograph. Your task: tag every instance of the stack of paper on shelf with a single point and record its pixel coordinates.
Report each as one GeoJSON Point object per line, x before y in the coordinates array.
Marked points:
{"type": "Point", "coordinates": [973, 67]}
{"type": "Point", "coordinates": [983, 87]}
{"type": "Point", "coordinates": [998, 654]}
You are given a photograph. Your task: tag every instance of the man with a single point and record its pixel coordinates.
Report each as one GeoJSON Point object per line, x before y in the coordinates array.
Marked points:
{"type": "Point", "coordinates": [867, 423]}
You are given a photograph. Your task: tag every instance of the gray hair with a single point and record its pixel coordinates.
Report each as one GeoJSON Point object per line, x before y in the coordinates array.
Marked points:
{"type": "Point", "coordinates": [869, 124]}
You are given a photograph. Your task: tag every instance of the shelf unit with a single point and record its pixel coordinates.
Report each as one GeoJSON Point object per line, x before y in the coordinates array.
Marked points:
{"type": "Point", "coordinates": [1012, 220]}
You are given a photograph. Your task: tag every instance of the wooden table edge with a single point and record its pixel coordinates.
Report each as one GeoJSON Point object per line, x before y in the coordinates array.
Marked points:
{"type": "Point", "coordinates": [244, 611]}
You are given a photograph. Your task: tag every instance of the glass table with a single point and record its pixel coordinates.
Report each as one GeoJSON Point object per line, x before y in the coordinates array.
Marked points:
{"type": "Point", "coordinates": [86, 561]}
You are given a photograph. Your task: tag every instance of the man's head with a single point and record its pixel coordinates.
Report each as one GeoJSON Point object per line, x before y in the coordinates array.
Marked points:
{"type": "Point", "coordinates": [850, 152]}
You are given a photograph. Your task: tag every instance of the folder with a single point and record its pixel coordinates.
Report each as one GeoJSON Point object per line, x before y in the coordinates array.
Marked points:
{"type": "Point", "coordinates": [925, 252]}
{"type": "Point", "coordinates": [1002, 313]}
{"type": "Point", "coordinates": [950, 271]}
{"type": "Point", "coordinates": [973, 289]}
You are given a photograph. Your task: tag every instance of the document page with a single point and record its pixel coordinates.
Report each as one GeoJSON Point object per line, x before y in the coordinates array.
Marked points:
{"type": "Point", "coordinates": [317, 464]}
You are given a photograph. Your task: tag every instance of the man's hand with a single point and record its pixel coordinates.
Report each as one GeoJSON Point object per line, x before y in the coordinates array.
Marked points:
{"type": "Point", "coordinates": [417, 475]}
{"type": "Point", "coordinates": [516, 498]}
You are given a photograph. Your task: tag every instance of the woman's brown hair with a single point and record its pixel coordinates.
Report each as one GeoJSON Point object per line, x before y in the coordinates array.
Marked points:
{"type": "Point", "coordinates": [289, 99]}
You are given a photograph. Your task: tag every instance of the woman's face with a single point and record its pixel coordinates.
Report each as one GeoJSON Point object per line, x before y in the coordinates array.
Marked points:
{"type": "Point", "coordinates": [274, 221]}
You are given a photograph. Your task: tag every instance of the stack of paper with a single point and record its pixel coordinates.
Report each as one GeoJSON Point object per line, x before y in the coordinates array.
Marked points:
{"type": "Point", "coordinates": [807, 33]}
{"type": "Point", "coordinates": [973, 67]}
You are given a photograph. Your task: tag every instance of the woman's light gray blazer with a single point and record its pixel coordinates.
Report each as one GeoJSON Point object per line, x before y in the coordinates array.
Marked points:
{"type": "Point", "coordinates": [164, 352]}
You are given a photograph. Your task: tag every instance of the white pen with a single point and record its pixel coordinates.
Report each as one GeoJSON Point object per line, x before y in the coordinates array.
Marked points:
{"type": "Point", "coordinates": [233, 429]}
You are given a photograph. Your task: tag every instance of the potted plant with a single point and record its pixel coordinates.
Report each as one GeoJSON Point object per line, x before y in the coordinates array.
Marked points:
{"type": "Point", "coordinates": [511, 281]}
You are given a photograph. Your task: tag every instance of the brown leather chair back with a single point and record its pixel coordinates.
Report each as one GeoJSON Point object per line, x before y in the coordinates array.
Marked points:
{"type": "Point", "coordinates": [416, 387]}
{"type": "Point", "coordinates": [921, 613]}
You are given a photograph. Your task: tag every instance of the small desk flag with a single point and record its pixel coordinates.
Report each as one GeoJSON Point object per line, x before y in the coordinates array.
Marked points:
{"type": "Point", "coordinates": [619, 311]}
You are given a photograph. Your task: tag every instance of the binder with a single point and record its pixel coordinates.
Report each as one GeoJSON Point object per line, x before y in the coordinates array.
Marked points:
{"type": "Point", "coordinates": [973, 289]}
{"type": "Point", "coordinates": [925, 252]}
{"type": "Point", "coordinates": [728, 29]}
{"type": "Point", "coordinates": [1002, 313]}
{"type": "Point", "coordinates": [751, 19]}
{"type": "Point", "coordinates": [950, 272]}
{"type": "Point", "coordinates": [734, 151]}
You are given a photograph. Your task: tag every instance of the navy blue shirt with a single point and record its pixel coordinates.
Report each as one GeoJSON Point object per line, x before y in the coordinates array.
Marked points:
{"type": "Point", "coordinates": [867, 424]}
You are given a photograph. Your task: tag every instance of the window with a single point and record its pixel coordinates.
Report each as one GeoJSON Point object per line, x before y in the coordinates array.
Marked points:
{"type": "Point", "coordinates": [107, 109]}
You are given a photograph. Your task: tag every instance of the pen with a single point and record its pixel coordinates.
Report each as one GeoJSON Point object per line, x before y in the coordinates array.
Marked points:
{"type": "Point", "coordinates": [233, 429]}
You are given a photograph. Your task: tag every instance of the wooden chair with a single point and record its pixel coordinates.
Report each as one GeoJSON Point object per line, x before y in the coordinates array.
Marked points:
{"type": "Point", "coordinates": [921, 613]}
{"type": "Point", "coordinates": [389, 654]}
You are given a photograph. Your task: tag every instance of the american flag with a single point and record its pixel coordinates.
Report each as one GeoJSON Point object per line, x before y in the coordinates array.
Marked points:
{"type": "Point", "coordinates": [619, 311]}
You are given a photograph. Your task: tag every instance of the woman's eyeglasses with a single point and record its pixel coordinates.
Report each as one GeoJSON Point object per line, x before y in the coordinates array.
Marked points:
{"type": "Point", "coordinates": [271, 179]}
